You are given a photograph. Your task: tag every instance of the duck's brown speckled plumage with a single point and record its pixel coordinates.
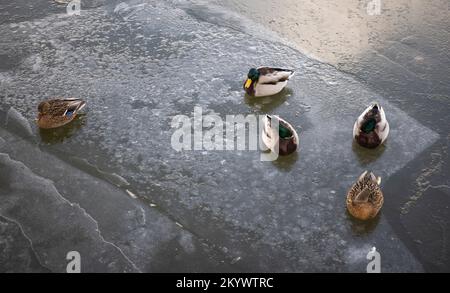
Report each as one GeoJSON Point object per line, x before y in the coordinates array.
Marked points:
{"type": "Point", "coordinates": [368, 186]}
{"type": "Point", "coordinates": [58, 112]}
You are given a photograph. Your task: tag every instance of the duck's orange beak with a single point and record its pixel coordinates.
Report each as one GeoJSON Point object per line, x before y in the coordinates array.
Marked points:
{"type": "Point", "coordinates": [248, 83]}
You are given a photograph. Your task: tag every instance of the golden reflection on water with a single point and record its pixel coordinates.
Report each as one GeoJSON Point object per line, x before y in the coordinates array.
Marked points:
{"type": "Point", "coordinates": [341, 31]}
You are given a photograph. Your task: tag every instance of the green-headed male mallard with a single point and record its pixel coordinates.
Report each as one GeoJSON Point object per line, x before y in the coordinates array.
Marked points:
{"type": "Point", "coordinates": [286, 138]}
{"type": "Point", "coordinates": [371, 128]}
{"type": "Point", "coordinates": [58, 112]}
{"type": "Point", "coordinates": [365, 199]}
{"type": "Point", "coordinates": [266, 81]}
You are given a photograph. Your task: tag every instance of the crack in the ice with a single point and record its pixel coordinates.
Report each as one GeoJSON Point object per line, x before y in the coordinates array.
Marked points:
{"type": "Point", "coordinates": [422, 181]}
{"type": "Point", "coordinates": [98, 229]}
{"type": "Point", "coordinates": [28, 239]}
{"type": "Point", "coordinates": [397, 64]}
{"type": "Point", "coordinates": [438, 186]}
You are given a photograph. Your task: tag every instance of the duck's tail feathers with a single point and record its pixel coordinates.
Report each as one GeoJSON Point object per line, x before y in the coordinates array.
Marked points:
{"type": "Point", "coordinates": [289, 72]}
{"type": "Point", "coordinates": [292, 74]}
{"type": "Point", "coordinates": [81, 105]}
{"type": "Point", "coordinates": [74, 106]}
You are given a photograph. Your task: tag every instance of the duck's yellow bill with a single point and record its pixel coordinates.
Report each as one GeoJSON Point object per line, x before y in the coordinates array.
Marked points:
{"type": "Point", "coordinates": [248, 83]}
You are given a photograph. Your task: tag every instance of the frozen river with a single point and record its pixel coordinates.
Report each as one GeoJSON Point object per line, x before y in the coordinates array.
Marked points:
{"type": "Point", "coordinates": [111, 186]}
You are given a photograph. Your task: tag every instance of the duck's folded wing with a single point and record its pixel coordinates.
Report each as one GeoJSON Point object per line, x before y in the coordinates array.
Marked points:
{"type": "Point", "coordinates": [73, 105]}
{"type": "Point", "coordinates": [270, 75]}
{"type": "Point", "coordinates": [363, 196]}
{"type": "Point", "coordinates": [382, 130]}
{"type": "Point", "coordinates": [359, 123]}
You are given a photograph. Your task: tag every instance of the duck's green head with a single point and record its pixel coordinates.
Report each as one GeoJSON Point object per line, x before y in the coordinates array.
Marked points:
{"type": "Point", "coordinates": [369, 126]}
{"type": "Point", "coordinates": [252, 76]}
{"type": "Point", "coordinates": [283, 131]}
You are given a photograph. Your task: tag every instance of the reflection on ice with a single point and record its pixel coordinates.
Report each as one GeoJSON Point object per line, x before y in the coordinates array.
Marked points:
{"type": "Point", "coordinates": [285, 163]}
{"type": "Point", "coordinates": [366, 156]}
{"type": "Point", "coordinates": [363, 228]}
{"type": "Point", "coordinates": [268, 104]}
{"type": "Point", "coordinates": [58, 135]}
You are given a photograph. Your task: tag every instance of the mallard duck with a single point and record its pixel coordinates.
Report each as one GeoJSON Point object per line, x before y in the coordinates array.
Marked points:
{"type": "Point", "coordinates": [58, 112]}
{"type": "Point", "coordinates": [266, 81]}
{"type": "Point", "coordinates": [365, 199]}
{"type": "Point", "coordinates": [371, 128]}
{"type": "Point", "coordinates": [286, 138]}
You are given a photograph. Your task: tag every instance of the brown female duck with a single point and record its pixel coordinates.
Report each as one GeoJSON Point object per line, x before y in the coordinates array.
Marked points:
{"type": "Point", "coordinates": [58, 112]}
{"type": "Point", "coordinates": [365, 199]}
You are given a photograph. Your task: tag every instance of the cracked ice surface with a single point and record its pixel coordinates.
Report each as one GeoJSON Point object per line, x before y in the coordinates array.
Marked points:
{"type": "Point", "coordinates": [140, 234]}
{"type": "Point", "coordinates": [25, 196]}
{"type": "Point", "coordinates": [136, 74]}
